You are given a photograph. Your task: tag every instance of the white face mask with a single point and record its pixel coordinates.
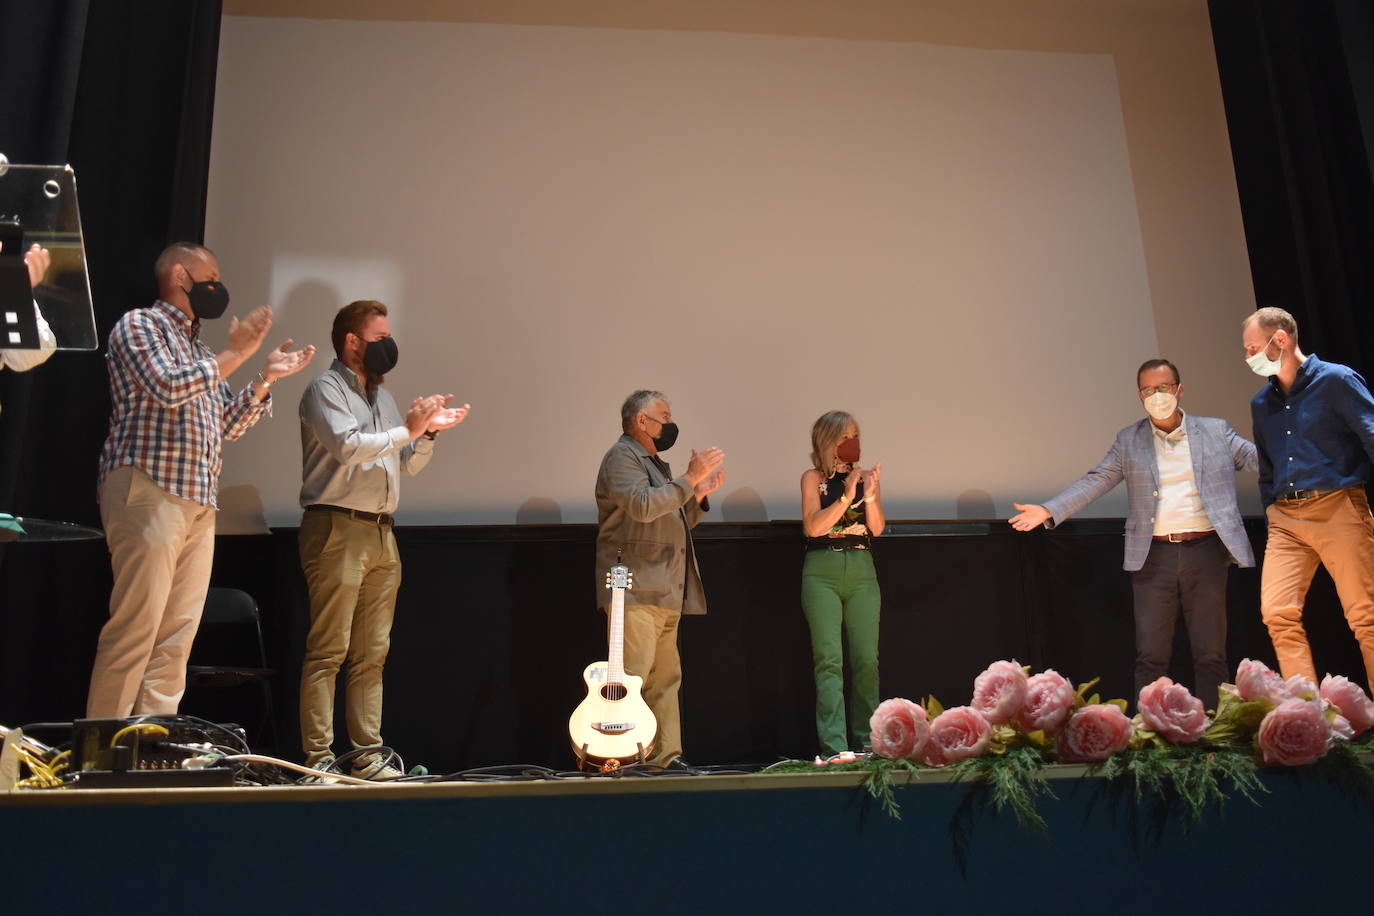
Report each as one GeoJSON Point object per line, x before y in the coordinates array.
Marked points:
{"type": "Point", "coordinates": [1261, 364]}
{"type": "Point", "coordinates": [1161, 405]}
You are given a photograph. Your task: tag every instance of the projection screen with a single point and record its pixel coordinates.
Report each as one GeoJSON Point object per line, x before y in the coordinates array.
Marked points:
{"type": "Point", "coordinates": [945, 241]}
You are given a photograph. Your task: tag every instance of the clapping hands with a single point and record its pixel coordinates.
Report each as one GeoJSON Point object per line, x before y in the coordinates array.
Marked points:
{"type": "Point", "coordinates": [870, 481]}
{"type": "Point", "coordinates": [284, 361]}
{"type": "Point", "coordinates": [37, 260]}
{"type": "Point", "coordinates": [246, 335]}
{"type": "Point", "coordinates": [447, 417]}
{"type": "Point", "coordinates": [431, 414]}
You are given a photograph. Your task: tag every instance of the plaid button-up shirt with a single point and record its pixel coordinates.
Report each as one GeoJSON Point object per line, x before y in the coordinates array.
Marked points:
{"type": "Point", "coordinates": [171, 407]}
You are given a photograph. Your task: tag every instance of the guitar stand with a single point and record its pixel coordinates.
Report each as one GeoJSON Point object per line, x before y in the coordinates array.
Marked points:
{"type": "Point", "coordinates": [611, 765]}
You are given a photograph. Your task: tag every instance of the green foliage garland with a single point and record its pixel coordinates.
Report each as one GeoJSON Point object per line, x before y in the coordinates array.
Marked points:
{"type": "Point", "coordinates": [1195, 778]}
{"type": "Point", "coordinates": [1198, 778]}
{"type": "Point", "coordinates": [1014, 779]}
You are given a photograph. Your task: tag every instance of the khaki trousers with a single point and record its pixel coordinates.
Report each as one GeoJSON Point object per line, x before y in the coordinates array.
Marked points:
{"type": "Point", "coordinates": [1335, 530]}
{"type": "Point", "coordinates": [651, 653]}
{"type": "Point", "coordinates": [161, 548]}
{"type": "Point", "coordinates": [353, 570]}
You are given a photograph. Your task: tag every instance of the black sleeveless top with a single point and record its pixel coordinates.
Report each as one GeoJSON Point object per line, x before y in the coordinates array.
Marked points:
{"type": "Point", "coordinates": [852, 528]}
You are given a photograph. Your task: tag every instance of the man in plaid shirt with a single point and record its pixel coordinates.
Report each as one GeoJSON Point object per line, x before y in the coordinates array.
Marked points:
{"type": "Point", "coordinates": [159, 474]}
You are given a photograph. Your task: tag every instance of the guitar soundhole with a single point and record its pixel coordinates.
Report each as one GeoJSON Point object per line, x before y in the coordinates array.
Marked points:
{"type": "Point", "coordinates": [614, 692]}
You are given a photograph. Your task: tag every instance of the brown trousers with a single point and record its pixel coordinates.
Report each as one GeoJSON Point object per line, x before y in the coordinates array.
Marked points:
{"type": "Point", "coordinates": [1336, 531]}
{"type": "Point", "coordinates": [651, 653]}
{"type": "Point", "coordinates": [353, 570]}
{"type": "Point", "coordinates": [161, 548]}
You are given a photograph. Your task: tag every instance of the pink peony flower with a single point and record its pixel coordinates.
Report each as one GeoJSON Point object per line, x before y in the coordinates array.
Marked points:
{"type": "Point", "coordinates": [900, 729]}
{"type": "Point", "coordinates": [1351, 700]}
{"type": "Point", "coordinates": [1092, 734]}
{"type": "Point", "coordinates": [1170, 711]}
{"type": "Point", "coordinates": [1300, 688]}
{"type": "Point", "coordinates": [1000, 692]}
{"type": "Point", "coordinates": [957, 733]}
{"type": "Point", "coordinates": [1257, 681]}
{"type": "Point", "coordinates": [1049, 697]}
{"type": "Point", "coordinates": [1340, 728]}
{"type": "Point", "coordinates": [1294, 733]}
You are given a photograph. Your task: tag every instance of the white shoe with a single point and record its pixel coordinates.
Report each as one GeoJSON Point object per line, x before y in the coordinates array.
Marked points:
{"type": "Point", "coordinates": [324, 766]}
{"type": "Point", "coordinates": [375, 768]}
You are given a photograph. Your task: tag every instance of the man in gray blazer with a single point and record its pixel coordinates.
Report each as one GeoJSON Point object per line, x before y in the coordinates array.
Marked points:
{"type": "Point", "coordinates": [1183, 530]}
{"type": "Point", "coordinates": [645, 516]}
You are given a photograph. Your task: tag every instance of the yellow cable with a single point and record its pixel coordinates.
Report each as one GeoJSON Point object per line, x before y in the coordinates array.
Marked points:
{"type": "Point", "coordinates": [42, 777]}
{"type": "Point", "coordinates": [59, 763]}
{"type": "Point", "coordinates": [149, 727]}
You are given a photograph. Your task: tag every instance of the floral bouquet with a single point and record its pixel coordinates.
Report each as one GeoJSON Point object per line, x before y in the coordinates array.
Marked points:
{"type": "Point", "coordinates": [1016, 723]}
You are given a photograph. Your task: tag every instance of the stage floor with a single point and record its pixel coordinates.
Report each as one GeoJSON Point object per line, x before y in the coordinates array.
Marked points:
{"type": "Point", "coordinates": [590, 786]}
{"type": "Point", "coordinates": [761, 843]}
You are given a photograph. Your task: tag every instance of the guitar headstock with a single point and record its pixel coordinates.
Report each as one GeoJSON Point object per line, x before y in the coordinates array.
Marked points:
{"type": "Point", "coordinates": [619, 576]}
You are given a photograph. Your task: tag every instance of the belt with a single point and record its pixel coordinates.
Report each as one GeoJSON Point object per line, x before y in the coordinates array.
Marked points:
{"type": "Point", "coordinates": [1183, 537]}
{"type": "Point", "coordinates": [1300, 495]}
{"type": "Point", "coordinates": [382, 519]}
{"type": "Point", "coordinates": [847, 542]}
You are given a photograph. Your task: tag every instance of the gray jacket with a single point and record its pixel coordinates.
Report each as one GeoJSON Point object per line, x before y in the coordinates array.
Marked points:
{"type": "Point", "coordinates": [1217, 451]}
{"type": "Point", "coordinates": [646, 515]}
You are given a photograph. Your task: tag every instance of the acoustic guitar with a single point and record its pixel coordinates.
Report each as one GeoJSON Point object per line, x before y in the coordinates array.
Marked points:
{"type": "Point", "coordinates": [613, 727]}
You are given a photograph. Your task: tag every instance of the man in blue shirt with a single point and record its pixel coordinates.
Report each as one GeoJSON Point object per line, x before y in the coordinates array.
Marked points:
{"type": "Point", "coordinates": [1314, 427]}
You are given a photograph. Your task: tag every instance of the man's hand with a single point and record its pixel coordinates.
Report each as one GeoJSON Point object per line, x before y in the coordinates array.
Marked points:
{"type": "Point", "coordinates": [421, 411]}
{"type": "Point", "coordinates": [710, 485]}
{"type": "Point", "coordinates": [447, 417]}
{"type": "Point", "coordinates": [37, 259]}
{"type": "Point", "coordinates": [247, 335]}
{"type": "Point", "coordinates": [700, 466]}
{"type": "Point", "coordinates": [284, 361]}
{"type": "Point", "coordinates": [1028, 518]}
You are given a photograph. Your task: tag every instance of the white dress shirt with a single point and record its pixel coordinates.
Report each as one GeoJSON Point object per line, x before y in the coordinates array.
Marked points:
{"type": "Point", "coordinates": [1180, 507]}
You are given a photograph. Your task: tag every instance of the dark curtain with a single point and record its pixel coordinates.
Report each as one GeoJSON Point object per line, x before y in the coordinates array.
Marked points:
{"type": "Point", "coordinates": [1298, 84]}
{"type": "Point", "coordinates": [124, 91]}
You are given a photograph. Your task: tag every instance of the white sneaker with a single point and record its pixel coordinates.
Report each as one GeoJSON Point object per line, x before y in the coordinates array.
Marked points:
{"type": "Point", "coordinates": [322, 779]}
{"type": "Point", "coordinates": [375, 768]}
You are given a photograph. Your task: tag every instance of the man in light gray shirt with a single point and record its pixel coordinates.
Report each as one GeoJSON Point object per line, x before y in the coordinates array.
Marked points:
{"type": "Point", "coordinates": [354, 444]}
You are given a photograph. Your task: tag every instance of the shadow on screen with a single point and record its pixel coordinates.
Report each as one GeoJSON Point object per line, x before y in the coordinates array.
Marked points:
{"type": "Point", "coordinates": [744, 505]}
{"type": "Point", "coordinates": [974, 504]}
{"type": "Point", "coordinates": [539, 510]}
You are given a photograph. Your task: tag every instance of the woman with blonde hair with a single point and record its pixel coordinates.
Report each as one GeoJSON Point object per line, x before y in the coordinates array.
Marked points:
{"type": "Point", "coordinates": [841, 514]}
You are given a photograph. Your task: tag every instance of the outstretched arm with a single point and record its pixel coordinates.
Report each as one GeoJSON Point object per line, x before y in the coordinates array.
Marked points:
{"type": "Point", "coordinates": [1109, 472]}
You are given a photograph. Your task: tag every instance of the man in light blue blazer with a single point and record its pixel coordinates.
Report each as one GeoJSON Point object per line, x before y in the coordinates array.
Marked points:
{"type": "Point", "coordinates": [1183, 530]}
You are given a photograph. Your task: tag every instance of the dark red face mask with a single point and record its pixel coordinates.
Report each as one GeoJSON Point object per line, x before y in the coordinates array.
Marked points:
{"type": "Point", "coordinates": [848, 450]}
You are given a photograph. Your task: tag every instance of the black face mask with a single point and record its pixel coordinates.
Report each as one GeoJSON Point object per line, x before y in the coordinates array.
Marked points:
{"type": "Point", "coordinates": [666, 437]}
{"type": "Point", "coordinates": [208, 298]}
{"type": "Point", "coordinates": [380, 356]}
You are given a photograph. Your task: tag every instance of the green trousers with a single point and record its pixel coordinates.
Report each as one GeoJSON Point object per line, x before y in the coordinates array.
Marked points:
{"type": "Point", "coordinates": [841, 600]}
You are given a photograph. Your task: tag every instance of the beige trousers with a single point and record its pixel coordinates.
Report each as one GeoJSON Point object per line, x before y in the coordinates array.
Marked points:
{"type": "Point", "coordinates": [161, 548]}
{"type": "Point", "coordinates": [353, 570]}
{"type": "Point", "coordinates": [1336, 531]}
{"type": "Point", "coordinates": [651, 653]}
